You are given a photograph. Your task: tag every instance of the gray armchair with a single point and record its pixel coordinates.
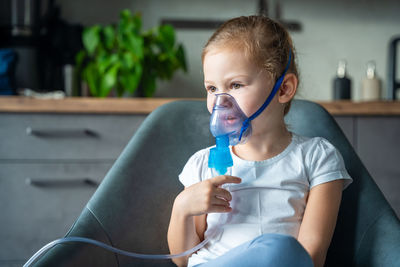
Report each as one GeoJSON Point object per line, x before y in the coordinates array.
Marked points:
{"type": "Point", "coordinates": [131, 208]}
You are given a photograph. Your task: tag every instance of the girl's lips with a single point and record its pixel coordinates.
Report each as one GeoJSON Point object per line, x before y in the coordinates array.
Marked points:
{"type": "Point", "coordinates": [231, 119]}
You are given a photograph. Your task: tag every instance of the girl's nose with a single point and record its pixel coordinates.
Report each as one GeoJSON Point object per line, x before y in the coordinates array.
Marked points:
{"type": "Point", "coordinates": [224, 101]}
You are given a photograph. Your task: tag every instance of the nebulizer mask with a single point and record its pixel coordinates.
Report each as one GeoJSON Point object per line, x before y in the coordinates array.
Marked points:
{"type": "Point", "coordinates": [230, 126]}
{"type": "Point", "coordinates": [225, 125]}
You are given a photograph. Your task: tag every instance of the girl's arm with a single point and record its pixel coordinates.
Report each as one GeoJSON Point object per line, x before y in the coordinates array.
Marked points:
{"type": "Point", "coordinates": [182, 233]}
{"type": "Point", "coordinates": [319, 219]}
{"type": "Point", "coordinates": [187, 223]}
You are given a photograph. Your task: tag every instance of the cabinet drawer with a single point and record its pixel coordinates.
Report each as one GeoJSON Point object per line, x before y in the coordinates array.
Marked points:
{"type": "Point", "coordinates": [65, 136]}
{"type": "Point", "coordinates": [40, 202]}
{"type": "Point", "coordinates": [346, 123]}
{"type": "Point", "coordinates": [378, 146]}
{"type": "Point", "coordinates": [378, 143]}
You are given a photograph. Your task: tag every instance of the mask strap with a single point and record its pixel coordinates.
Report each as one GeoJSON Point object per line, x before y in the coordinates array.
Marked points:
{"type": "Point", "coordinates": [277, 85]}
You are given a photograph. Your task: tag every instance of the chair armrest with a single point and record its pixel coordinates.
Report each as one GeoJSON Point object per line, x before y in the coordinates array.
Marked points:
{"type": "Point", "coordinates": [81, 254]}
{"type": "Point", "coordinates": [380, 243]}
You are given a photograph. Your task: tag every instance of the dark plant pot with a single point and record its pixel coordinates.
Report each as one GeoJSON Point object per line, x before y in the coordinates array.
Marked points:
{"type": "Point", "coordinates": [139, 92]}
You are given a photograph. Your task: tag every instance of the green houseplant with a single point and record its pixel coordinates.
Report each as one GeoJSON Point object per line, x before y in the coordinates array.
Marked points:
{"type": "Point", "coordinates": [124, 58]}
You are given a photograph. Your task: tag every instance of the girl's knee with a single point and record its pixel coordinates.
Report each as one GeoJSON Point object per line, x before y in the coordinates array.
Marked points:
{"type": "Point", "coordinates": [276, 239]}
{"type": "Point", "coordinates": [282, 247]}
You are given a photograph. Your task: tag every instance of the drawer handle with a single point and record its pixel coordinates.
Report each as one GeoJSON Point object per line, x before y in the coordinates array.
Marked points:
{"type": "Point", "coordinates": [60, 132]}
{"type": "Point", "coordinates": [66, 182]}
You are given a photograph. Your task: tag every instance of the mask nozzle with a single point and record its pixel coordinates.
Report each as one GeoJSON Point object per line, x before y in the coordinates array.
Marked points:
{"type": "Point", "coordinates": [220, 157]}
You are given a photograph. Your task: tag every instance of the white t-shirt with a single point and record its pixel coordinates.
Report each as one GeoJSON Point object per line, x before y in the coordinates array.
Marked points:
{"type": "Point", "coordinates": [272, 195]}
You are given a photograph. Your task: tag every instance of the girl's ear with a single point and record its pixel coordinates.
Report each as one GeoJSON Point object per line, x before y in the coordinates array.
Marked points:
{"type": "Point", "coordinates": [288, 88]}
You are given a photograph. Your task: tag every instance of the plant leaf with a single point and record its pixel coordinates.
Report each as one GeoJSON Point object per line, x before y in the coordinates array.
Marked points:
{"type": "Point", "coordinates": [125, 15]}
{"type": "Point", "coordinates": [109, 36]}
{"type": "Point", "coordinates": [134, 43]}
{"type": "Point", "coordinates": [79, 57]}
{"type": "Point", "coordinates": [127, 60]}
{"type": "Point", "coordinates": [149, 84]}
{"type": "Point", "coordinates": [130, 80]}
{"type": "Point", "coordinates": [109, 80]}
{"type": "Point", "coordinates": [91, 38]}
{"type": "Point", "coordinates": [137, 22]}
{"type": "Point", "coordinates": [167, 36]}
{"type": "Point", "coordinates": [105, 61]}
{"type": "Point", "coordinates": [180, 56]}
{"type": "Point", "coordinates": [91, 77]}
{"type": "Point", "coordinates": [119, 89]}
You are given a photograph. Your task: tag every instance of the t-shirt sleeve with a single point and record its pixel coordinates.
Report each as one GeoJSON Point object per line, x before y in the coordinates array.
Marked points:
{"type": "Point", "coordinates": [194, 170]}
{"type": "Point", "coordinates": [326, 164]}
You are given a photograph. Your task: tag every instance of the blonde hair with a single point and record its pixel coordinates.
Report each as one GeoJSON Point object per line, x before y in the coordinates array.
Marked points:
{"type": "Point", "coordinates": [263, 40]}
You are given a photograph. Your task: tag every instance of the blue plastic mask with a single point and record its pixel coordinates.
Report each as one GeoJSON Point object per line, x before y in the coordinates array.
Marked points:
{"type": "Point", "coordinates": [225, 124]}
{"type": "Point", "coordinates": [230, 126]}
{"type": "Point", "coordinates": [227, 120]}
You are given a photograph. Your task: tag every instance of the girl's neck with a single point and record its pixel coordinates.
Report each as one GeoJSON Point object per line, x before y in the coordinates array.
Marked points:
{"type": "Point", "coordinates": [265, 145]}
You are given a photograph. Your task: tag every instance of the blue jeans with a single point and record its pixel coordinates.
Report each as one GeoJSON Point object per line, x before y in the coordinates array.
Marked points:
{"type": "Point", "coordinates": [266, 250]}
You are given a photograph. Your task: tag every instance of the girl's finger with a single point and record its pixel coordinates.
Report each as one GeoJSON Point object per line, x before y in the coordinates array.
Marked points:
{"type": "Point", "coordinates": [217, 208]}
{"type": "Point", "coordinates": [225, 179]}
{"type": "Point", "coordinates": [219, 201]}
{"type": "Point", "coordinates": [223, 193]}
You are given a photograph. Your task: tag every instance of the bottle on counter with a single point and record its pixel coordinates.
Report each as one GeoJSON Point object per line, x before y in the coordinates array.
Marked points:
{"type": "Point", "coordinates": [341, 84]}
{"type": "Point", "coordinates": [371, 85]}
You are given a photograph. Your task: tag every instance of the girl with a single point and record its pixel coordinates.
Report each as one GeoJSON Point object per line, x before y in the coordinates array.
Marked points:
{"type": "Point", "coordinates": [285, 189]}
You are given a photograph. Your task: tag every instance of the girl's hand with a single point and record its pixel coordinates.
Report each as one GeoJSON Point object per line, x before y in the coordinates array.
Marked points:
{"type": "Point", "coordinates": [206, 196]}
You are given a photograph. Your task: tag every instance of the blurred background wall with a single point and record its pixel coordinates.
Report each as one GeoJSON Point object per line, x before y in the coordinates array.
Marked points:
{"type": "Point", "coordinates": [356, 30]}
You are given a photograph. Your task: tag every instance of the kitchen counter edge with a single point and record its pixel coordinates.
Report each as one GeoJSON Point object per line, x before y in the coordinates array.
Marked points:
{"type": "Point", "coordinates": [20, 104]}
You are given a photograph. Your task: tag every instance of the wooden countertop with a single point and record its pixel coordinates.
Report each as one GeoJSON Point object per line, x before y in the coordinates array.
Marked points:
{"type": "Point", "coordinates": [146, 105]}
{"type": "Point", "coordinates": [82, 105]}
{"type": "Point", "coordinates": [376, 108]}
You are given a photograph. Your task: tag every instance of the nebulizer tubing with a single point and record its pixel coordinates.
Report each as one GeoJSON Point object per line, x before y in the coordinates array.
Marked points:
{"type": "Point", "coordinates": [70, 239]}
{"type": "Point", "coordinates": [117, 250]}
{"type": "Point", "coordinates": [219, 162]}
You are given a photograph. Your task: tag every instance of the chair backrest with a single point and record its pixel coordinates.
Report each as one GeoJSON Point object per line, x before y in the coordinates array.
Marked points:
{"type": "Point", "coordinates": [131, 208]}
{"type": "Point", "coordinates": [360, 237]}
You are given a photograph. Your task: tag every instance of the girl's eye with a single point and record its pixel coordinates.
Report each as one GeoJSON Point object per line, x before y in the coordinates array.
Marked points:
{"type": "Point", "coordinates": [236, 85]}
{"type": "Point", "coordinates": [211, 89]}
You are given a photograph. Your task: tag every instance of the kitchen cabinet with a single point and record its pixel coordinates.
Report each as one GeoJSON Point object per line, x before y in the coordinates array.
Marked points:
{"type": "Point", "coordinates": [40, 202]}
{"type": "Point", "coordinates": [50, 165]}
{"type": "Point", "coordinates": [347, 125]}
{"type": "Point", "coordinates": [378, 146]}
{"type": "Point", "coordinates": [376, 141]}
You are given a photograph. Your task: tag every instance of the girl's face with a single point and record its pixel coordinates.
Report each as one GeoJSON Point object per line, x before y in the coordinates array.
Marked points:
{"type": "Point", "coordinates": [229, 71]}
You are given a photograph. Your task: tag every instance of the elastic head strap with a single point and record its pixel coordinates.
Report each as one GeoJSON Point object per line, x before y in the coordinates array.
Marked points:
{"type": "Point", "coordinates": [277, 85]}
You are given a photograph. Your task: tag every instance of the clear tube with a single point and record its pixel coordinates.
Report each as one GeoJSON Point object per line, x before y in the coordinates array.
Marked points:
{"type": "Point", "coordinates": [39, 253]}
